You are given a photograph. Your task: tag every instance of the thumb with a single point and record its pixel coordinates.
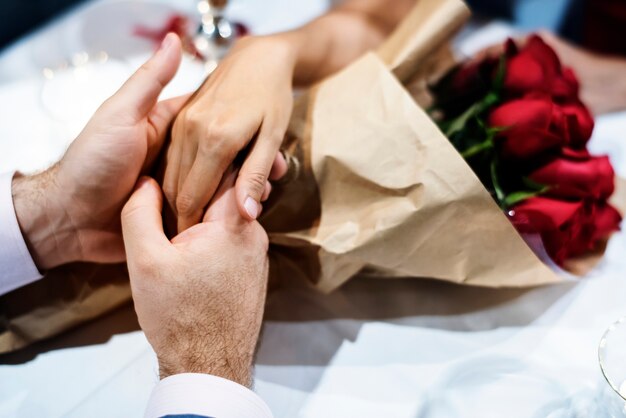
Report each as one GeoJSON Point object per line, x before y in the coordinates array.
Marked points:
{"type": "Point", "coordinates": [140, 93]}
{"type": "Point", "coordinates": [142, 224]}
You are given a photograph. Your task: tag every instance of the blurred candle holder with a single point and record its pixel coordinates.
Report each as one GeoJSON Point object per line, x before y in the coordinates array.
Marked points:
{"type": "Point", "coordinates": [216, 33]}
{"type": "Point", "coordinates": [612, 358]}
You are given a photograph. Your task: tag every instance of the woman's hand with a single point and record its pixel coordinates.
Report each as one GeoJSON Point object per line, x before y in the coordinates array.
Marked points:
{"type": "Point", "coordinates": [245, 104]}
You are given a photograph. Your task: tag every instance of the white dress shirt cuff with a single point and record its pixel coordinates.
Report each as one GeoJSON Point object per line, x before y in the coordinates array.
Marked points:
{"type": "Point", "coordinates": [17, 268]}
{"type": "Point", "coordinates": [204, 395]}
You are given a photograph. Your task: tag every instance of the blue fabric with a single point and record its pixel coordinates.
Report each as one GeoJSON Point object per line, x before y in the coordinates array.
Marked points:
{"type": "Point", "coordinates": [541, 14]}
{"type": "Point", "coordinates": [560, 16]}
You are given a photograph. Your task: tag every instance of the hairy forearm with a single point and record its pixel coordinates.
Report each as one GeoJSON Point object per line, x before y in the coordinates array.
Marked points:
{"type": "Point", "coordinates": [337, 38]}
{"type": "Point", "coordinates": [48, 234]}
{"type": "Point", "coordinates": [207, 354]}
{"type": "Point", "coordinates": [225, 345]}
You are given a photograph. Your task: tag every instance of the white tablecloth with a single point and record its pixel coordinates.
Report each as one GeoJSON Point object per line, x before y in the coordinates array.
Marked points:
{"type": "Point", "coordinates": [375, 348]}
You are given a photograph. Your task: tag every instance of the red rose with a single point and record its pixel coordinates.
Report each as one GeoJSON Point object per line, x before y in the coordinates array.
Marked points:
{"type": "Point", "coordinates": [534, 124]}
{"type": "Point", "coordinates": [537, 68]}
{"type": "Point", "coordinates": [566, 86]}
{"type": "Point", "coordinates": [560, 224]}
{"type": "Point", "coordinates": [606, 220]}
{"type": "Point", "coordinates": [567, 229]}
{"type": "Point", "coordinates": [579, 123]}
{"type": "Point", "coordinates": [576, 154]}
{"type": "Point", "coordinates": [583, 178]}
{"type": "Point", "coordinates": [598, 223]}
{"type": "Point", "coordinates": [531, 126]}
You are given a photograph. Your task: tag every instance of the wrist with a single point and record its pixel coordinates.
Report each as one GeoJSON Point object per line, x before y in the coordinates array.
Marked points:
{"type": "Point", "coordinates": [42, 218]}
{"type": "Point", "coordinates": [238, 371]}
{"type": "Point", "coordinates": [283, 48]}
{"type": "Point", "coordinates": [209, 356]}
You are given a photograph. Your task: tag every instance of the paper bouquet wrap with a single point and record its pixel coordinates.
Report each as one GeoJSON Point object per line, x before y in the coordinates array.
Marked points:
{"type": "Point", "coordinates": [374, 184]}
{"type": "Point", "coordinates": [379, 185]}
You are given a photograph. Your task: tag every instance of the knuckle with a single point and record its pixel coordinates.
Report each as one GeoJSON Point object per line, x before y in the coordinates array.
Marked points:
{"type": "Point", "coordinates": [221, 151]}
{"type": "Point", "coordinates": [192, 126]}
{"type": "Point", "coordinates": [191, 114]}
{"type": "Point", "coordinates": [256, 240]}
{"type": "Point", "coordinates": [220, 142]}
{"type": "Point", "coordinates": [276, 136]}
{"type": "Point", "coordinates": [145, 267]}
{"type": "Point", "coordinates": [220, 132]}
{"type": "Point", "coordinates": [256, 180]}
{"type": "Point", "coordinates": [262, 238]}
{"type": "Point", "coordinates": [185, 204]}
{"type": "Point", "coordinates": [170, 191]}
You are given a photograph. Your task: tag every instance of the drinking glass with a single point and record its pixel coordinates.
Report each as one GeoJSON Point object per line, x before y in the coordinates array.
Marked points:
{"type": "Point", "coordinates": [612, 357]}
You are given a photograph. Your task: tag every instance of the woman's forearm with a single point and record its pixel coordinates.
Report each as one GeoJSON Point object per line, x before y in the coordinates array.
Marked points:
{"type": "Point", "coordinates": [337, 38]}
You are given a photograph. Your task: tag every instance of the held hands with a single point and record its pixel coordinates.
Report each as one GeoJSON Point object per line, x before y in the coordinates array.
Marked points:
{"type": "Point", "coordinates": [71, 212]}
{"type": "Point", "coordinates": [245, 104]}
{"type": "Point", "coordinates": [200, 297]}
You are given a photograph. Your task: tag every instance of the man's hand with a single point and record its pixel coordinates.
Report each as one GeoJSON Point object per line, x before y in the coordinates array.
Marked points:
{"type": "Point", "coordinates": [71, 212]}
{"type": "Point", "coordinates": [245, 103]}
{"type": "Point", "coordinates": [200, 297]}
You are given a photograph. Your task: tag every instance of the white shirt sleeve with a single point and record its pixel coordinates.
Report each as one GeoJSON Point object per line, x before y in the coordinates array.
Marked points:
{"type": "Point", "coordinates": [204, 395]}
{"type": "Point", "coordinates": [17, 268]}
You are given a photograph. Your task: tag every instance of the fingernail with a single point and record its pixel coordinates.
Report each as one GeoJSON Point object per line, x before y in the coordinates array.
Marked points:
{"type": "Point", "coordinates": [167, 42]}
{"type": "Point", "coordinates": [251, 207]}
{"type": "Point", "coordinates": [142, 182]}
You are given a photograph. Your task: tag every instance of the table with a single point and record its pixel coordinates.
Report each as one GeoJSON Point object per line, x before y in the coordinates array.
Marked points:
{"type": "Point", "coordinates": [374, 348]}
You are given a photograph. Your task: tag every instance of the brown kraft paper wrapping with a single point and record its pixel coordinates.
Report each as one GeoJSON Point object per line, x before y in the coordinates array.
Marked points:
{"type": "Point", "coordinates": [394, 194]}
{"type": "Point", "coordinates": [376, 185]}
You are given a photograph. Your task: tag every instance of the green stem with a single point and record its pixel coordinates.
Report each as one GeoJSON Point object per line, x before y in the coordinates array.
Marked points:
{"type": "Point", "coordinates": [476, 109]}
{"type": "Point", "coordinates": [477, 149]}
{"type": "Point", "coordinates": [496, 183]}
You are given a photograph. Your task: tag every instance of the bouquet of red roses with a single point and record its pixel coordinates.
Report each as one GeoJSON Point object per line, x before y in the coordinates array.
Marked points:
{"type": "Point", "coordinates": [519, 123]}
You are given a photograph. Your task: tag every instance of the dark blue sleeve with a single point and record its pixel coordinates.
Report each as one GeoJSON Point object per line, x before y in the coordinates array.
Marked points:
{"type": "Point", "coordinates": [503, 9]}
{"type": "Point", "coordinates": [185, 416]}
{"type": "Point", "coordinates": [21, 16]}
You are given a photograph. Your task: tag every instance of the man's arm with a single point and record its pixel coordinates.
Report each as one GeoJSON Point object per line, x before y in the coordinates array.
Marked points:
{"type": "Point", "coordinates": [58, 216]}
{"type": "Point", "coordinates": [205, 331]}
{"type": "Point", "coordinates": [18, 268]}
{"type": "Point", "coordinates": [199, 299]}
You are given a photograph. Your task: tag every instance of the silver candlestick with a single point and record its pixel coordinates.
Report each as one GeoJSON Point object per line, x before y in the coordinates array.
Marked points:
{"type": "Point", "coordinates": [216, 34]}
